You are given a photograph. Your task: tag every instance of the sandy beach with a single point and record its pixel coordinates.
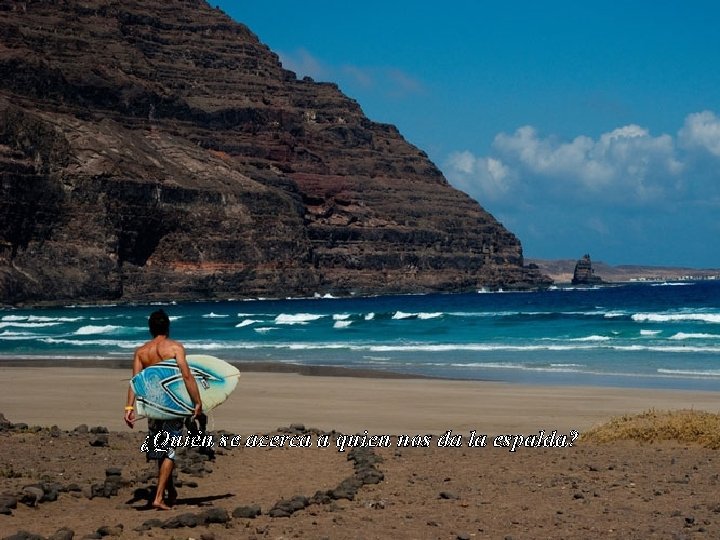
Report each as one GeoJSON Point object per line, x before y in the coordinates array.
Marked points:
{"type": "Point", "coordinates": [618, 490]}
{"type": "Point", "coordinates": [67, 397]}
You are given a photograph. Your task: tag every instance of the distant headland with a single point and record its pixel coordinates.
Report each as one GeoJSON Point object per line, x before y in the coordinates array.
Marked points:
{"type": "Point", "coordinates": [562, 271]}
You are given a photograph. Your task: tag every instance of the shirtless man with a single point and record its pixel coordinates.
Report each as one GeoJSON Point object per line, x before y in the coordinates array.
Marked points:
{"type": "Point", "coordinates": [160, 348]}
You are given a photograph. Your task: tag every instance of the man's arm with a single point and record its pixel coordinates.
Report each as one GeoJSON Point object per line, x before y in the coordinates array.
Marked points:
{"type": "Point", "coordinates": [129, 405]}
{"type": "Point", "coordinates": [190, 382]}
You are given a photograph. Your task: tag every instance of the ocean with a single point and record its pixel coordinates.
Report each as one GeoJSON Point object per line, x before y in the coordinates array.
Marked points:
{"type": "Point", "coordinates": [645, 335]}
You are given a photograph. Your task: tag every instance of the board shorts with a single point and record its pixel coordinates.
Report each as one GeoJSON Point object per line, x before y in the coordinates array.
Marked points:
{"type": "Point", "coordinates": [159, 428]}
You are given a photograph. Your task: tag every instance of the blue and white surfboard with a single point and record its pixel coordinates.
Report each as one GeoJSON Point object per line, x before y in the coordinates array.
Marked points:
{"type": "Point", "coordinates": [160, 390]}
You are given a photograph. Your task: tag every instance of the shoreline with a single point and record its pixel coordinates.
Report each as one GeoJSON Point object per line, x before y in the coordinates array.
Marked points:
{"type": "Point", "coordinates": [337, 399]}
{"type": "Point", "coordinates": [561, 380]}
{"type": "Point", "coordinates": [254, 366]}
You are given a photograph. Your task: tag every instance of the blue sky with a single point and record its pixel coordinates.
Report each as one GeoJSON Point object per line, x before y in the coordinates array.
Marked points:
{"type": "Point", "coordinates": [582, 126]}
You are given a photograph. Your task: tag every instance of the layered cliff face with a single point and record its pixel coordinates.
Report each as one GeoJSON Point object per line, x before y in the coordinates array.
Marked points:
{"type": "Point", "coordinates": [157, 150]}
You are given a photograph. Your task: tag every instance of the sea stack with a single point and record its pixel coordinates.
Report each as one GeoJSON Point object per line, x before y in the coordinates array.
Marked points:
{"type": "Point", "coordinates": [584, 273]}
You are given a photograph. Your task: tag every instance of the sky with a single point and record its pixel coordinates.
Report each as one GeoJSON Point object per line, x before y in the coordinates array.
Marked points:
{"type": "Point", "coordinates": [583, 127]}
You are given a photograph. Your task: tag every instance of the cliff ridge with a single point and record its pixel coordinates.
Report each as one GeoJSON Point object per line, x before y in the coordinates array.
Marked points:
{"type": "Point", "coordinates": [156, 150]}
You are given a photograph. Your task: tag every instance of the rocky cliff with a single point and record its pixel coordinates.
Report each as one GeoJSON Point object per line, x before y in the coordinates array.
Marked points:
{"type": "Point", "coordinates": [157, 150]}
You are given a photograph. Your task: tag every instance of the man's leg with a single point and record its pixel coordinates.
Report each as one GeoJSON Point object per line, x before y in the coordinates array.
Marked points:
{"type": "Point", "coordinates": [164, 480]}
{"type": "Point", "coordinates": [172, 492]}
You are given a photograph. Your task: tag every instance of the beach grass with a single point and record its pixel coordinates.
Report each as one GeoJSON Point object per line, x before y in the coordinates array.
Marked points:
{"type": "Point", "coordinates": [684, 426]}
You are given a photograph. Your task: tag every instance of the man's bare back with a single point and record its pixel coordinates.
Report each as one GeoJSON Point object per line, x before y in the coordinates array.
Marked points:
{"type": "Point", "coordinates": [158, 349]}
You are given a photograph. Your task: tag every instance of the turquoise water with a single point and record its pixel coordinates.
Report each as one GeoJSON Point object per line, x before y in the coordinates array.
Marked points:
{"type": "Point", "coordinates": [639, 335]}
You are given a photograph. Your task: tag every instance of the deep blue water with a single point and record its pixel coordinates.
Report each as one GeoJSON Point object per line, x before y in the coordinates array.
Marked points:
{"type": "Point", "coordinates": [639, 335]}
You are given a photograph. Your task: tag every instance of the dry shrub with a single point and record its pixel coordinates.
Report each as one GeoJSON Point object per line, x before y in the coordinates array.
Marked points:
{"type": "Point", "coordinates": [686, 426]}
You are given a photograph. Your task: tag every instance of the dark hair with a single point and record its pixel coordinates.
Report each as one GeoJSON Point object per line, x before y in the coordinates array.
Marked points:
{"type": "Point", "coordinates": [159, 323]}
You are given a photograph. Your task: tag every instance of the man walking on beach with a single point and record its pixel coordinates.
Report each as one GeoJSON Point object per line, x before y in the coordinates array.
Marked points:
{"type": "Point", "coordinates": [160, 348]}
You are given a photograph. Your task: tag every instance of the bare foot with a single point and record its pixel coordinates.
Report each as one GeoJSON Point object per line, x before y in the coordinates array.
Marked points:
{"type": "Point", "coordinates": [160, 506]}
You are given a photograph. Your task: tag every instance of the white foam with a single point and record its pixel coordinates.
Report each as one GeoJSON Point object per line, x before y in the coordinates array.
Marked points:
{"type": "Point", "coordinates": [369, 316]}
{"type": "Point", "coordinates": [342, 324]}
{"type": "Point", "coordinates": [555, 368]}
{"type": "Point", "coordinates": [680, 336]}
{"type": "Point", "coordinates": [9, 335]}
{"type": "Point", "coordinates": [212, 346]}
{"type": "Point", "coordinates": [400, 315]}
{"type": "Point", "coordinates": [28, 324]}
{"type": "Point", "coordinates": [93, 342]}
{"type": "Point", "coordinates": [425, 316]}
{"type": "Point", "coordinates": [691, 372]}
{"type": "Point", "coordinates": [650, 332]}
{"type": "Point", "coordinates": [672, 317]}
{"type": "Point", "coordinates": [14, 318]}
{"type": "Point", "coordinates": [469, 347]}
{"type": "Point", "coordinates": [246, 322]}
{"type": "Point", "coordinates": [92, 329]}
{"type": "Point", "coordinates": [39, 318]}
{"type": "Point", "coordinates": [377, 359]}
{"type": "Point", "coordinates": [341, 316]}
{"type": "Point", "coordinates": [297, 318]}
{"type": "Point", "coordinates": [265, 329]}
{"type": "Point", "coordinates": [592, 338]}
{"type": "Point", "coordinates": [213, 315]}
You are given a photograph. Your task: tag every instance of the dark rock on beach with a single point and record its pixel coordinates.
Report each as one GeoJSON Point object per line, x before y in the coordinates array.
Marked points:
{"type": "Point", "coordinates": [62, 534]}
{"type": "Point", "coordinates": [24, 535]}
{"type": "Point", "coordinates": [107, 530]}
{"type": "Point", "coordinates": [247, 512]}
{"type": "Point", "coordinates": [215, 515]}
{"type": "Point", "coordinates": [100, 440]}
{"type": "Point", "coordinates": [7, 504]}
{"type": "Point", "coordinates": [182, 520]}
{"type": "Point", "coordinates": [211, 515]}
{"type": "Point", "coordinates": [149, 524]}
{"type": "Point", "coordinates": [155, 150]}
{"type": "Point", "coordinates": [32, 495]}
{"type": "Point", "coordinates": [5, 424]}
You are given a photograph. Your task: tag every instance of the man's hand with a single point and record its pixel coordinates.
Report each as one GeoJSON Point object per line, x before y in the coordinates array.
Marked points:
{"type": "Point", "coordinates": [130, 418]}
{"type": "Point", "coordinates": [198, 411]}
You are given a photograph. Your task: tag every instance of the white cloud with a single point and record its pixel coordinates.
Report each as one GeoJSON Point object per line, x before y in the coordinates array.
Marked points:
{"type": "Point", "coordinates": [627, 165]}
{"type": "Point", "coordinates": [702, 130]}
{"type": "Point", "coordinates": [485, 178]}
{"type": "Point", "coordinates": [627, 158]}
{"type": "Point", "coordinates": [643, 197]}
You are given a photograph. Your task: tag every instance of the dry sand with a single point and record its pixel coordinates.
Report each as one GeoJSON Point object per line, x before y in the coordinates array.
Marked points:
{"type": "Point", "coordinates": [621, 490]}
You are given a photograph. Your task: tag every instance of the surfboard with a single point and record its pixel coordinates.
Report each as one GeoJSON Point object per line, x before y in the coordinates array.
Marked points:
{"type": "Point", "coordinates": [160, 390]}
